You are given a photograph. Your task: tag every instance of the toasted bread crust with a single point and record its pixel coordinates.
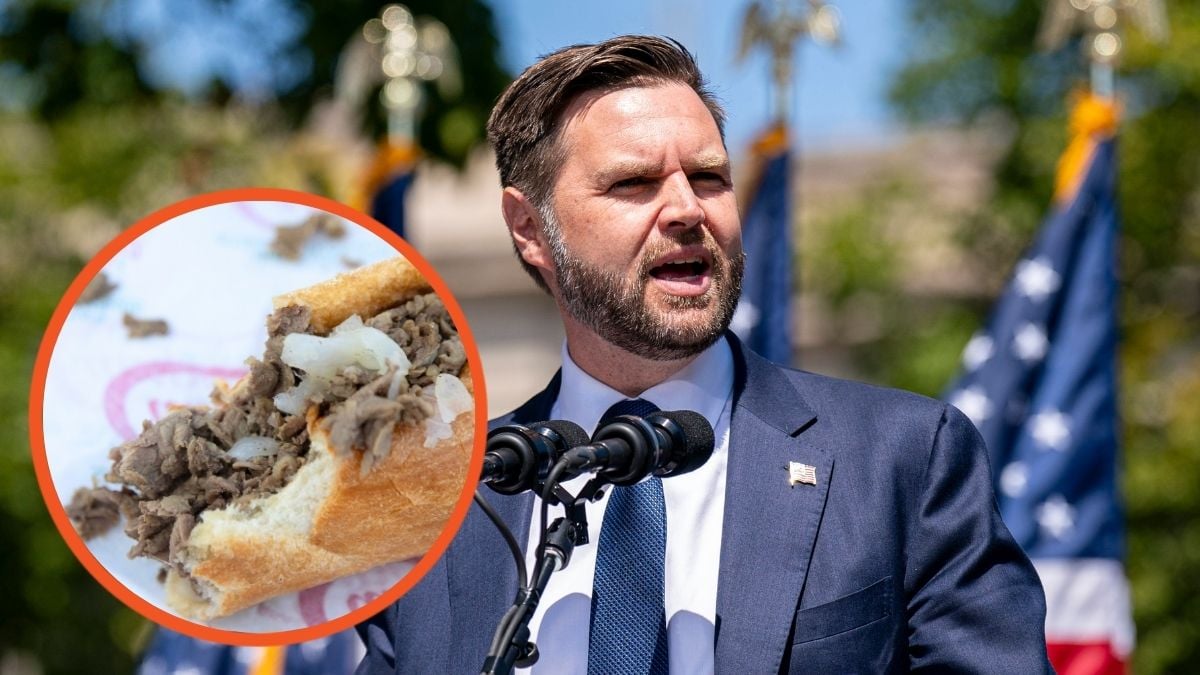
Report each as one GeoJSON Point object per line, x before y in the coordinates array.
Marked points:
{"type": "Point", "coordinates": [397, 509]}
{"type": "Point", "coordinates": [330, 521]}
{"type": "Point", "coordinates": [365, 291]}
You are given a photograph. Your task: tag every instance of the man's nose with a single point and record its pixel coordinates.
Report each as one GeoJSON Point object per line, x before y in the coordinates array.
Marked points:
{"type": "Point", "coordinates": [681, 207]}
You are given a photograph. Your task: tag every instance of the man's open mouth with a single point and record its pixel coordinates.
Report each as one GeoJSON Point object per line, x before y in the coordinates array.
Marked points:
{"type": "Point", "coordinates": [680, 270]}
{"type": "Point", "coordinates": [684, 273]}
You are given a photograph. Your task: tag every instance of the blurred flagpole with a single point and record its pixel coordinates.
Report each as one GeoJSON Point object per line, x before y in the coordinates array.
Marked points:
{"type": "Point", "coordinates": [1101, 23]}
{"type": "Point", "coordinates": [763, 317]}
{"type": "Point", "coordinates": [399, 52]}
{"type": "Point", "coordinates": [1040, 380]}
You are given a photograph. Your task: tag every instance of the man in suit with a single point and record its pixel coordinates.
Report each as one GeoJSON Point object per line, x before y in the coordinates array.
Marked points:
{"type": "Point", "coordinates": [836, 528]}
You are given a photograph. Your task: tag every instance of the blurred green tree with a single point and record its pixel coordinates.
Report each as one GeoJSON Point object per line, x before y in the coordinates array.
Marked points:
{"type": "Point", "coordinates": [974, 61]}
{"type": "Point", "coordinates": [97, 131]}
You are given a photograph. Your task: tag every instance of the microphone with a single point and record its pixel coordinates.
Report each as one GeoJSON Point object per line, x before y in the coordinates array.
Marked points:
{"type": "Point", "coordinates": [629, 448]}
{"type": "Point", "coordinates": [519, 457]}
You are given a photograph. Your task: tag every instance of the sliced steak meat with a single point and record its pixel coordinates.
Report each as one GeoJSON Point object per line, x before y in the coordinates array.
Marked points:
{"type": "Point", "coordinates": [347, 382]}
{"type": "Point", "coordinates": [179, 534]}
{"type": "Point", "coordinates": [291, 428]}
{"type": "Point", "coordinates": [94, 511]}
{"type": "Point", "coordinates": [422, 326]}
{"type": "Point", "coordinates": [180, 466]}
{"type": "Point", "coordinates": [263, 379]}
{"type": "Point", "coordinates": [287, 320]}
{"type": "Point", "coordinates": [151, 463]}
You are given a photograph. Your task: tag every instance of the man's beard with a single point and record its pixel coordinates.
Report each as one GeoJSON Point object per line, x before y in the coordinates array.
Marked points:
{"type": "Point", "coordinates": [616, 309]}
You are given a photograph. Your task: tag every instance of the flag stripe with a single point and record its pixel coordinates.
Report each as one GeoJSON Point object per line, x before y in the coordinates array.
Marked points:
{"type": "Point", "coordinates": [1087, 601]}
{"type": "Point", "coordinates": [1085, 659]}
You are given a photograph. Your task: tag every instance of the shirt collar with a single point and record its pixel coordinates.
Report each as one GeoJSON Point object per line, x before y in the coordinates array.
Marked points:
{"type": "Point", "coordinates": [704, 386]}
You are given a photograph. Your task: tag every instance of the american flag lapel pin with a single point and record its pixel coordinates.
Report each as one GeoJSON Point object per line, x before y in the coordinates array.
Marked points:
{"type": "Point", "coordinates": [804, 474]}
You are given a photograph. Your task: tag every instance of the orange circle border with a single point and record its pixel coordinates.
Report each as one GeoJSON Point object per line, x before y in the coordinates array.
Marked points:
{"type": "Point", "coordinates": [59, 515]}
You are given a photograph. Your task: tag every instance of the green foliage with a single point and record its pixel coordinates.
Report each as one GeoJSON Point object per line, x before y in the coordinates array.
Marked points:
{"type": "Point", "coordinates": [975, 60]}
{"type": "Point", "coordinates": [53, 609]}
{"type": "Point", "coordinates": [43, 41]}
{"type": "Point", "coordinates": [841, 267]}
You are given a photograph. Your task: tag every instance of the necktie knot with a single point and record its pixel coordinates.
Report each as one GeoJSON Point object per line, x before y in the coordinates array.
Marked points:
{"type": "Point", "coordinates": [639, 407]}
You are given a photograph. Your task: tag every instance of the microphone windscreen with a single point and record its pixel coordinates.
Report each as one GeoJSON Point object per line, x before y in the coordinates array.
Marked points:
{"type": "Point", "coordinates": [572, 434]}
{"type": "Point", "coordinates": [696, 429]}
{"type": "Point", "coordinates": [692, 440]}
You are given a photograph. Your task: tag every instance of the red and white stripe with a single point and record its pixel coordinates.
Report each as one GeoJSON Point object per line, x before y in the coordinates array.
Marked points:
{"type": "Point", "coordinates": [1089, 621]}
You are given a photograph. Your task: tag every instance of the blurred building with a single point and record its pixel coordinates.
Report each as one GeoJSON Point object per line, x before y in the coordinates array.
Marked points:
{"type": "Point", "coordinates": [930, 179]}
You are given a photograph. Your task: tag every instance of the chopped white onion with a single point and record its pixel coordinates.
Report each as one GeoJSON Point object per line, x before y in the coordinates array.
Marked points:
{"type": "Point", "coordinates": [436, 430]}
{"type": "Point", "coordinates": [354, 322]}
{"type": "Point", "coordinates": [300, 348]}
{"type": "Point", "coordinates": [324, 357]}
{"type": "Point", "coordinates": [453, 399]}
{"type": "Point", "coordinates": [377, 351]}
{"type": "Point", "coordinates": [249, 447]}
{"type": "Point", "coordinates": [293, 401]}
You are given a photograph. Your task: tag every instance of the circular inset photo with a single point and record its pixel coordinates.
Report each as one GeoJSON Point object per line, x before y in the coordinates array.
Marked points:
{"type": "Point", "coordinates": [257, 417]}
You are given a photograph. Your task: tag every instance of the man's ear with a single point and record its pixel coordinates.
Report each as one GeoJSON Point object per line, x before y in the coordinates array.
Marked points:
{"type": "Point", "coordinates": [524, 225]}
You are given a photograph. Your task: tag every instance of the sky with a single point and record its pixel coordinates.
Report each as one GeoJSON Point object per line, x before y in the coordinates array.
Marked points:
{"type": "Point", "coordinates": [841, 96]}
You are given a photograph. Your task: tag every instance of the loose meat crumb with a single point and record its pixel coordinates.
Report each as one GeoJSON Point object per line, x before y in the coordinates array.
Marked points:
{"type": "Point", "coordinates": [290, 239]}
{"type": "Point", "coordinates": [140, 328]}
{"type": "Point", "coordinates": [96, 289]}
{"type": "Point", "coordinates": [94, 511]}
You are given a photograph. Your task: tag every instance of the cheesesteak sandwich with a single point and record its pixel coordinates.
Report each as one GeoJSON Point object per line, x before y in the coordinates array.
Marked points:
{"type": "Point", "coordinates": [345, 447]}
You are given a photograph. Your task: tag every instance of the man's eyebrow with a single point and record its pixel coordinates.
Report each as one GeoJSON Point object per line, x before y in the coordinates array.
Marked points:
{"type": "Point", "coordinates": [708, 162]}
{"type": "Point", "coordinates": [634, 167]}
{"type": "Point", "coordinates": [624, 169]}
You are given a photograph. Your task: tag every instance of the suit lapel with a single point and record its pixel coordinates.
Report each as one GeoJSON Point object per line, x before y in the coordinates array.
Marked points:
{"type": "Point", "coordinates": [769, 527]}
{"type": "Point", "coordinates": [482, 577]}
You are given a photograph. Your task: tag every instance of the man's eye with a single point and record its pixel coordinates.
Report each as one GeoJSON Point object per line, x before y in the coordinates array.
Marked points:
{"type": "Point", "coordinates": [708, 178]}
{"type": "Point", "coordinates": [630, 182]}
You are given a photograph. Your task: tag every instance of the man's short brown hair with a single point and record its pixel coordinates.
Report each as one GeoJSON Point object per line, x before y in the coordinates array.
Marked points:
{"type": "Point", "coordinates": [525, 124]}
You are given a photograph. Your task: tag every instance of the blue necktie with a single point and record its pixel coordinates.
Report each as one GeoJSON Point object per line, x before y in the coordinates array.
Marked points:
{"type": "Point", "coordinates": [628, 623]}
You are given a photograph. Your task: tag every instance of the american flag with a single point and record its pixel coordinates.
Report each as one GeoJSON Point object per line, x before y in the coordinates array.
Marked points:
{"type": "Point", "coordinates": [1040, 383]}
{"type": "Point", "coordinates": [384, 191]}
{"type": "Point", "coordinates": [763, 317]}
{"type": "Point", "coordinates": [387, 206]}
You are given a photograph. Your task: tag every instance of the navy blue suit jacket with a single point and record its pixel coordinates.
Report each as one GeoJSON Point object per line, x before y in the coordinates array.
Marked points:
{"type": "Point", "coordinates": [896, 560]}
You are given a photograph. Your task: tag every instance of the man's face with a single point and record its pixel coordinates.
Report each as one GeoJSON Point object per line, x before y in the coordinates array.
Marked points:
{"type": "Point", "coordinates": [643, 225]}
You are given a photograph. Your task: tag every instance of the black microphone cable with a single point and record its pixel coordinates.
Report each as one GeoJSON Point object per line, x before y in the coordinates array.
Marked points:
{"type": "Point", "coordinates": [522, 576]}
{"type": "Point", "coordinates": [513, 546]}
{"type": "Point", "coordinates": [510, 621]}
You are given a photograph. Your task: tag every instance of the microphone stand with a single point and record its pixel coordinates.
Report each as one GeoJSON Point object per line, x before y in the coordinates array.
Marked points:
{"type": "Point", "coordinates": [510, 643]}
